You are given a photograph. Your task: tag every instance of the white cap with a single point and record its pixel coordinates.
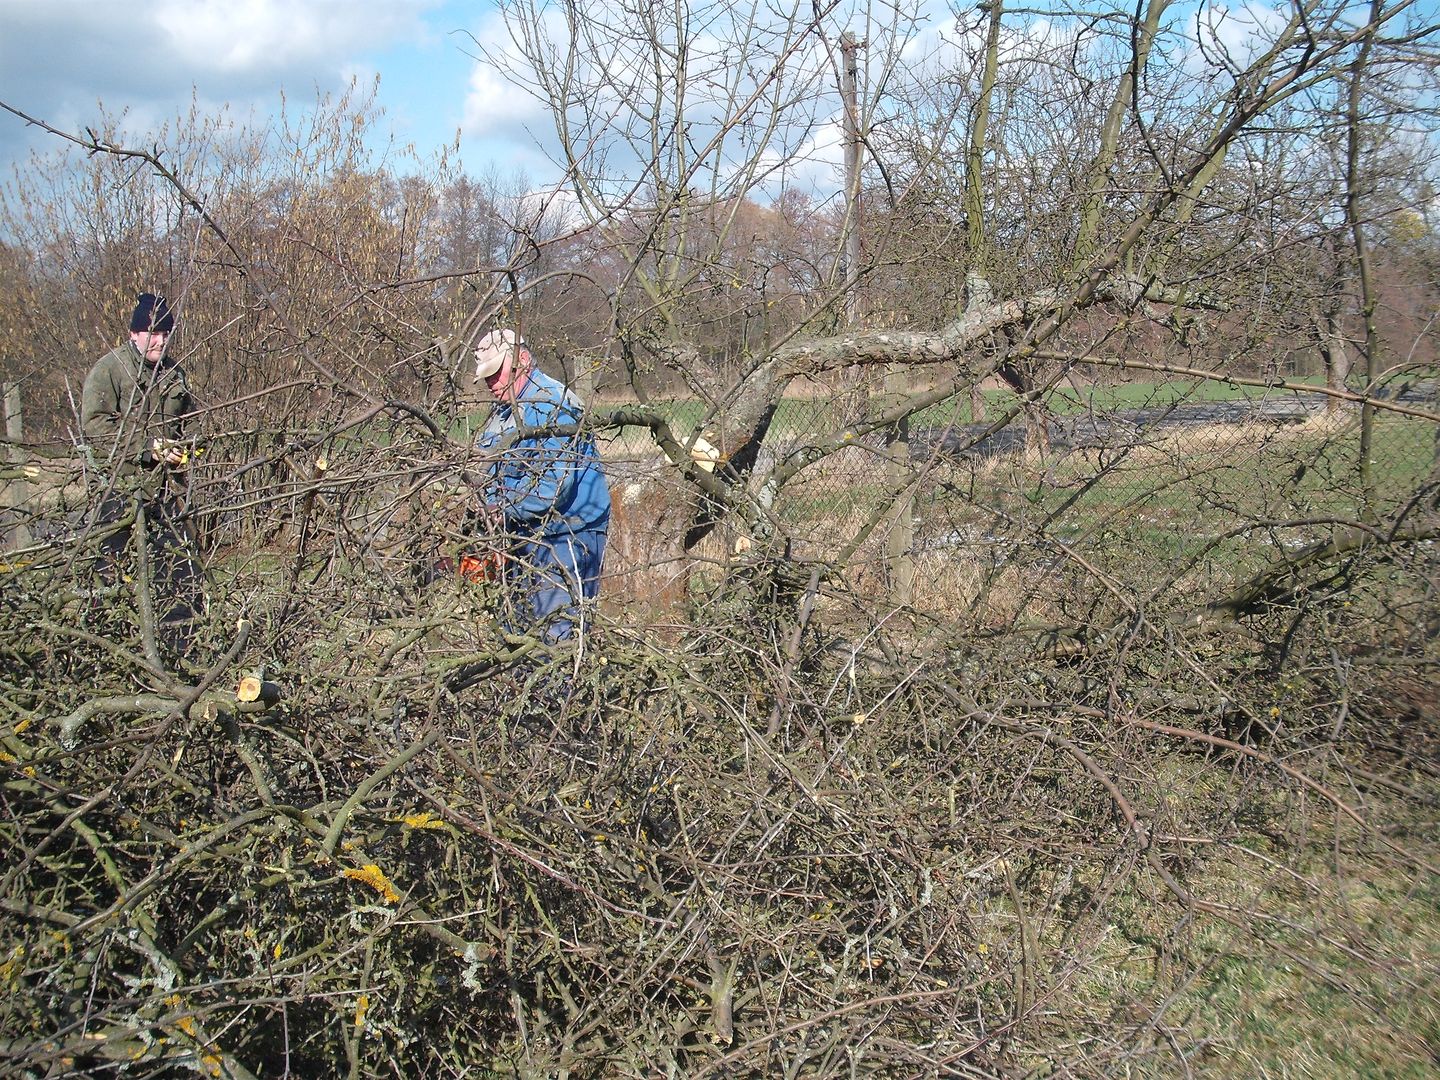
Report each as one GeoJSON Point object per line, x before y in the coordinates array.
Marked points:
{"type": "Point", "coordinates": [491, 351]}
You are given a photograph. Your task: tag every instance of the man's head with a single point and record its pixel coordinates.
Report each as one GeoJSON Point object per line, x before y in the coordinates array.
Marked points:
{"type": "Point", "coordinates": [150, 326]}
{"type": "Point", "coordinates": [503, 363]}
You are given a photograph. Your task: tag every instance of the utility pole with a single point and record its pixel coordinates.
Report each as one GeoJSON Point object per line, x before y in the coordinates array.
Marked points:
{"type": "Point", "coordinates": [849, 50]}
{"type": "Point", "coordinates": [900, 535]}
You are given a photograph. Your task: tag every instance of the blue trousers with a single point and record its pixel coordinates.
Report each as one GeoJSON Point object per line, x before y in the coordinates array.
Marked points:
{"type": "Point", "coordinates": [551, 577]}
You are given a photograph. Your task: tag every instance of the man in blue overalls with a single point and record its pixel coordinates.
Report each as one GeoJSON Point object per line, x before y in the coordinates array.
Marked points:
{"type": "Point", "coordinates": [547, 488]}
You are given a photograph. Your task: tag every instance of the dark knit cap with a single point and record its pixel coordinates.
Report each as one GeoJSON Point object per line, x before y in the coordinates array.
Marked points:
{"type": "Point", "coordinates": [152, 314]}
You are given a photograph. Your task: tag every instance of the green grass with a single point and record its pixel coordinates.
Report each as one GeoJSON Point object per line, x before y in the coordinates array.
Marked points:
{"type": "Point", "coordinates": [1217, 475]}
{"type": "Point", "coordinates": [1320, 958]}
{"type": "Point", "coordinates": [1128, 511]}
{"type": "Point", "coordinates": [1156, 395]}
{"type": "Point", "coordinates": [1216, 512]}
{"type": "Point", "coordinates": [1065, 400]}
{"type": "Point", "coordinates": [1339, 984]}
{"type": "Point", "coordinates": [803, 415]}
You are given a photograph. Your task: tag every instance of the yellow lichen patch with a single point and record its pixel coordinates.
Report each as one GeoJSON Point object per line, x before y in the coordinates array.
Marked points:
{"type": "Point", "coordinates": [187, 1025]}
{"type": "Point", "coordinates": [373, 876]}
{"type": "Point", "coordinates": [361, 1008]}
{"type": "Point", "coordinates": [422, 820]}
{"type": "Point", "coordinates": [10, 969]}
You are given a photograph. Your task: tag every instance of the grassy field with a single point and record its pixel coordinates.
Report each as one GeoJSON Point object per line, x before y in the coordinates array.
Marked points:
{"type": "Point", "coordinates": [1205, 478]}
{"type": "Point", "coordinates": [1182, 519]}
{"type": "Point", "coordinates": [810, 414]}
{"type": "Point", "coordinates": [1322, 960]}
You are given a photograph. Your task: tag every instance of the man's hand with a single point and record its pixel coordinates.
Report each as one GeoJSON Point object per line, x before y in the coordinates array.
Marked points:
{"type": "Point", "coordinates": [488, 514]}
{"type": "Point", "coordinates": [174, 455]}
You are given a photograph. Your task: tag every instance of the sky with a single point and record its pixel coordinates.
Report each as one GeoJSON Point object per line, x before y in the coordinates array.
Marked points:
{"type": "Point", "coordinates": [59, 59]}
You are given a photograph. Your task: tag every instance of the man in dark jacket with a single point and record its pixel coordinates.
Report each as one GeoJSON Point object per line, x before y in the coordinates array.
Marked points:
{"type": "Point", "coordinates": [131, 412]}
{"type": "Point", "coordinates": [135, 396]}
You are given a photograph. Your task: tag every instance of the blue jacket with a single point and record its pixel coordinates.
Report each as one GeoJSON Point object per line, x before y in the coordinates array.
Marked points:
{"type": "Point", "coordinates": [545, 485]}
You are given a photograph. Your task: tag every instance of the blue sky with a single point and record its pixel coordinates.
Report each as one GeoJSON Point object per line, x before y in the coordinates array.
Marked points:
{"type": "Point", "coordinates": [60, 58]}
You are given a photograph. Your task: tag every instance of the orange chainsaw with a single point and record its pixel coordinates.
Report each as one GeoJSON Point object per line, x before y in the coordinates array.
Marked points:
{"type": "Point", "coordinates": [481, 568]}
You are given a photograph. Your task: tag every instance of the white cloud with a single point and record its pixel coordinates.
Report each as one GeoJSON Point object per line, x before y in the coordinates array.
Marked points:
{"type": "Point", "coordinates": [281, 35]}
{"type": "Point", "coordinates": [495, 106]}
{"type": "Point", "coordinates": [1234, 36]}
{"type": "Point", "coordinates": [552, 209]}
{"type": "Point", "coordinates": [816, 166]}
{"type": "Point", "coordinates": [730, 48]}
{"type": "Point", "coordinates": [61, 60]}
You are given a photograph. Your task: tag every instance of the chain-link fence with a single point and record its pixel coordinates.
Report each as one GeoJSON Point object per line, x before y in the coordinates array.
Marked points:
{"type": "Point", "coordinates": [1209, 487]}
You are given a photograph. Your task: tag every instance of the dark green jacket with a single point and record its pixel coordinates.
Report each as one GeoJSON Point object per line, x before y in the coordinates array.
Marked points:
{"type": "Point", "coordinates": [126, 403]}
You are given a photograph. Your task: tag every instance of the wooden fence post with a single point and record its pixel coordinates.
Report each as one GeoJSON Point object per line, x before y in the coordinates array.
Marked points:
{"type": "Point", "coordinates": [16, 492]}
{"type": "Point", "coordinates": [900, 539]}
